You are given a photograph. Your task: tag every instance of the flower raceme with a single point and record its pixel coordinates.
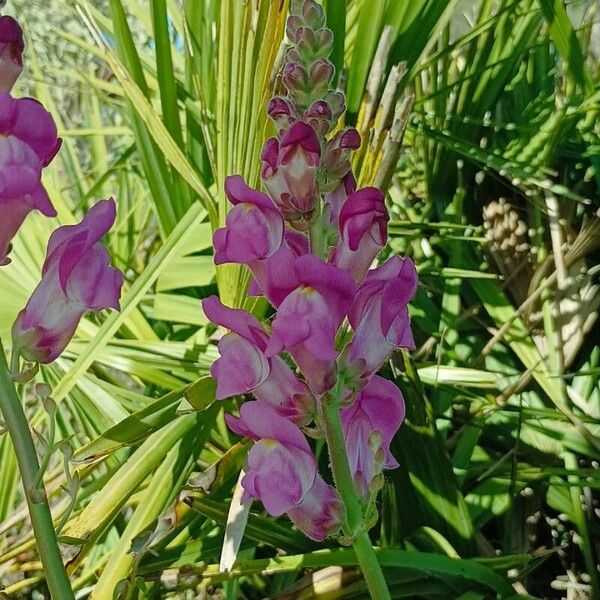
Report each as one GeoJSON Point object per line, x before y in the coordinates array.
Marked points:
{"type": "Point", "coordinates": [310, 243]}
{"type": "Point", "coordinates": [76, 278]}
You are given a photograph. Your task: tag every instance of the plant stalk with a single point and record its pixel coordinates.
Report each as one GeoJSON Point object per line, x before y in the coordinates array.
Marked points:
{"type": "Point", "coordinates": [41, 518]}
{"type": "Point", "coordinates": [353, 526]}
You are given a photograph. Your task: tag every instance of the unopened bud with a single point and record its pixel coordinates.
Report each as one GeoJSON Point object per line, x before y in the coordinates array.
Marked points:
{"type": "Point", "coordinates": [313, 14]}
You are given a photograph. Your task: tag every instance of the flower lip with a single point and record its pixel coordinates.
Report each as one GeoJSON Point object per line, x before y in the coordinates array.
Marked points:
{"type": "Point", "coordinates": [304, 135]}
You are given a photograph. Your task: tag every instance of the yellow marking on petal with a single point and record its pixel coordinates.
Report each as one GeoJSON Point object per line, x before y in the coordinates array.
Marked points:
{"type": "Point", "coordinates": [269, 443]}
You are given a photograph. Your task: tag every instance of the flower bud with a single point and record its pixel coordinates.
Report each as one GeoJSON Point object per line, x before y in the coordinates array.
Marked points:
{"type": "Point", "coordinates": [313, 45]}
{"type": "Point", "coordinates": [336, 162]}
{"type": "Point", "coordinates": [11, 51]}
{"type": "Point", "coordinates": [282, 112]}
{"type": "Point", "coordinates": [313, 14]}
{"type": "Point", "coordinates": [321, 76]}
{"type": "Point", "coordinates": [319, 117]}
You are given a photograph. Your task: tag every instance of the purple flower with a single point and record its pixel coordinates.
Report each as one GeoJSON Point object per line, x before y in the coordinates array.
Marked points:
{"type": "Point", "coordinates": [369, 425]}
{"type": "Point", "coordinates": [281, 468]}
{"type": "Point", "coordinates": [243, 366]}
{"type": "Point", "coordinates": [289, 172]}
{"type": "Point", "coordinates": [28, 142]}
{"type": "Point", "coordinates": [308, 318]}
{"type": "Point", "coordinates": [282, 472]}
{"type": "Point", "coordinates": [76, 277]}
{"type": "Point", "coordinates": [379, 314]}
{"type": "Point", "coordinates": [11, 51]}
{"type": "Point", "coordinates": [254, 229]}
{"type": "Point", "coordinates": [363, 232]}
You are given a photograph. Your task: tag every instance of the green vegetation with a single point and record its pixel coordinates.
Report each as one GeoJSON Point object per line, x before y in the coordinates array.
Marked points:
{"type": "Point", "coordinates": [481, 121]}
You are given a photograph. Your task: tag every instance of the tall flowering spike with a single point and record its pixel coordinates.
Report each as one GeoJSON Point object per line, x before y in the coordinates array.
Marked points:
{"type": "Point", "coordinates": [369, 425]}
{"type": "Point", "coordinates": [379, 314]}
{"type": "Point", "coordinates": [11, 52]}
{"type": "Point", "coordinates": [281, 472]}
{"type": "Point", "coordinates": [363, 232]}
{"type": "Point", "coordinates": [28, 142]}
{"type": "Point", "coordinates": [243, 366]}
{"type": "Point", "coordinates": [76, 277]}
{"type": "Point", "coordinates": [310, 250]}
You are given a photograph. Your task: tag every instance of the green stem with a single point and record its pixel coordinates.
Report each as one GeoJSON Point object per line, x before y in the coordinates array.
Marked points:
{"type": "Point", "coordinates": [354, 526]}
{"type": "Point", "coordinates": [41, 518]}
{"type": "Point", "coordinates": [316, 236]}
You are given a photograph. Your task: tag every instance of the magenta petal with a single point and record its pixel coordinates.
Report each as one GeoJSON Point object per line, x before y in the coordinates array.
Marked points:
{"type": "Point", "coordinates": [241, 367]}
{"type": "Point", "coordinates": [238, 192]}
{"type": "Point", "coordinates": [321, 512]}
{"type": "Point", "coordinates": [237, 320]}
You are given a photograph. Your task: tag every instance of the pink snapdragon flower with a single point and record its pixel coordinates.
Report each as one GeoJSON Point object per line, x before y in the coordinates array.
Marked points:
{"type": "Point", "coordinates": [289, 172]}
{"type": "Point", "coordinates": [28, 142]}
{"type": "Point", "coordinates": [308, 319]}
{"type": "Point", "coordinates": [369, 425]}
{"type": "Point", "coordinates": [11, 52]}
{"type": "Point", "coordinates": [76, 278]}
{"type": "Point", "coordinates": [282, 472]}
{"type": "Point", "coordinates": [243, 366]}
{"type": "Point", "coordinates": [254, 228]}
{"type": "Point", "coordinates": [363, 232]}
{"type": "Point", "coordinates": [379, 314]}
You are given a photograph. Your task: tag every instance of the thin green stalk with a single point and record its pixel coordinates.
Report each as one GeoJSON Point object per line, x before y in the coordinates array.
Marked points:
{"type": "Point", "coordinates": [353, 526]}
{"type": "Point", "coordinates": [41, 518]}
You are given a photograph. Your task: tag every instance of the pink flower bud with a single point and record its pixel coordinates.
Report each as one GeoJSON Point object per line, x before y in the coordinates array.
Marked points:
{"type": "Point", "coordinates": [295, 78]}
{"type": "Point", "coordinates": [312, 45]}
{"type": "Point", "coordinates": [319, 117]}
{"type": "Point", "coordinates": [369, 425]}
{"type": "Point", "coordinates": [321, 75]}
{"type": "Point", "coordinates": [336, 161]}
{"type": "Point", "coordinates": [282, 112]}
{"type": "Point", "coordinates": [363, 232]}
{"type": "Point", "coordinates": [11, 51]}
{"type": "Point", "coordinates": [76, 277]}
{"type": "Point", "coordinates": [28, 142]}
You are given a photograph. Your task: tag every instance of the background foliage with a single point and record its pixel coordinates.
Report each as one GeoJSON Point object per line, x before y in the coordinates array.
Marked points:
{"type": "Point", "coordinates": [495, 192]}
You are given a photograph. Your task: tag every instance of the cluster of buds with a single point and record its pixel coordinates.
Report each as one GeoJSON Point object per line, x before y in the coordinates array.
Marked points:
{"type": "Point", "coordinates": [76, 276]}
{"type": "Point", "coordinates": [301, 164]}
{"type": "Point", "coordinates": [310, 244]}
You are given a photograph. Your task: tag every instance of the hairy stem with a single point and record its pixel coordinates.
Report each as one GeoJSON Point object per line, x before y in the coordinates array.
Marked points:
{"type": "Point", "coordinates": [353, 526]}
{"type": "Point", "coordinates": [41, 518]}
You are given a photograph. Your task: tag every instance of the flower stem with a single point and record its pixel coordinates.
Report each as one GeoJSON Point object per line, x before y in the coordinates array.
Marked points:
{"type": "Point", "coordinates": [41, 518]}
{"type": "Point", "coordinates": [354, 526]}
